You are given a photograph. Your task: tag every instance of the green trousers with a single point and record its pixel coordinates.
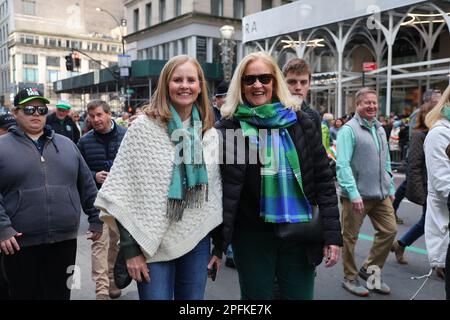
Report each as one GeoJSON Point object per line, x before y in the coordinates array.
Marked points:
{"type": "Point", "coordinates": [261, 259]}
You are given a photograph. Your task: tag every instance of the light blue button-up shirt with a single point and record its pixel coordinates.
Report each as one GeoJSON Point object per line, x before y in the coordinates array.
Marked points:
{"type": "Point", "coordinates": [344, 153]}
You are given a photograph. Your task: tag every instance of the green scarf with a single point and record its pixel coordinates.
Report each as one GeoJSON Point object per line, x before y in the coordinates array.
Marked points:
{"type": "Point", "coordinates": [189, 185]}
{"type": "Point", "coordinates": [446, 112]}
{"type": "Point", "coordinates": [282, 196]}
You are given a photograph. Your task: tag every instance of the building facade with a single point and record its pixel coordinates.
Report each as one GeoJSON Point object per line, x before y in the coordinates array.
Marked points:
{"type": "Point", "coordinates": [160, 29]}
{"type": "Point", "coordinates": [157, 30]}
{"type": "Point", "coordinates": [35, 37]}
{"type": "Point", "coordinates": [400, 48]}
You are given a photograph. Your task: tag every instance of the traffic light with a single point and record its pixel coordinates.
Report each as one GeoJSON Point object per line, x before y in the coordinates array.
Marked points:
{"type": "Point", "coordinates": [76, 59]}
{"type": "Point", "coordinates": [69, 62]}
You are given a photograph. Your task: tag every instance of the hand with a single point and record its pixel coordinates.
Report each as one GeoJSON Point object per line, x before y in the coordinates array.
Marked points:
{"type": "Point", "coordinates": [137, 267]}
{"type": "Point", "coordinates": [100, 176]}
{"type": "Point", "coordinates": [94, 235]}
{"type": "Point", "coordinates": [7, 246]}
{"type": "Point", "coordinates": [392, 198]}
{"type": "Point", "coordinates": [331, 254]}
{"type": "Point", "coordinates": [214, 262]}
{"type": "Point", "coordinates": [358, 206]}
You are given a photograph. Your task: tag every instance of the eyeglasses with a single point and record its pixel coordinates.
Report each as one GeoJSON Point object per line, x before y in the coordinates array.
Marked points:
{"type": "Point", "coordinates": [293, 82]}
{"type": "Point", "coordinates": [30, 110]}
{"type": "Point", "coordinates": [250, 79]}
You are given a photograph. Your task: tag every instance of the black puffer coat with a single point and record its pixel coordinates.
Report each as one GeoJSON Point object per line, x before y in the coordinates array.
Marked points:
{"type": "Point", "coordinates": [416, 185]}
{"type": "Point", "coordinates": [99, 155]}
{"type": "Point", "coordinates": [242, 184]}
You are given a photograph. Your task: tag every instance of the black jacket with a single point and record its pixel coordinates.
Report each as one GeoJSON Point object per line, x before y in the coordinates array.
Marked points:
{"type": "Point", "coordinates": [98, 152]}
{"type": "Point", "coordinates": [416, 183]}
{"type": "Point", "coordinates": [242, 184]}
{"type": "Point", "coordinates": [68, 128]}
{"type": "Point", "coordinates": [314, 115]}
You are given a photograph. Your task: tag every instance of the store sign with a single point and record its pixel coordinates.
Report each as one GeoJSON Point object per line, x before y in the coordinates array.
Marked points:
{"type": "Point", "coordinates": [308, 14]}
{"type": "Point", "coordinates": [369, 66]}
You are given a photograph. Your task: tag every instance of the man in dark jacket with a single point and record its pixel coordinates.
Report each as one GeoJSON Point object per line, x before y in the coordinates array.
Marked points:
{"type": "Point", "coordinates": [220, 95]}
{"type": "Point", "coordinates": [99, 148]}
{"type": "Point", "coordinates": [61, 122]}
{"type": "Point", "coordinates": [298, 78]}
{"type": "Point", "coordinates": [45, 183]}
{"type": "Point", "coordinates": [6, 120]}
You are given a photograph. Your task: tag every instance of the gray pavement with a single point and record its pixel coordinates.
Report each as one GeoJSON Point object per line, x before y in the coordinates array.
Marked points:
{"type": "Point", "coordinates": [328, 281]}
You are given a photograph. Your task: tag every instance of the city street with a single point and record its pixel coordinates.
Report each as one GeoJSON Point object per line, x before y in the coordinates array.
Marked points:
{"type": "Point", "coordinates": [328, 282]}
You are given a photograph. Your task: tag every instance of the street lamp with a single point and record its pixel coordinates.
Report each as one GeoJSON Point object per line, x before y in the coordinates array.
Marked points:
{"type": "Point", "coordinates": [227, 50]}
{"type": "Point", "coordinates": [120, 24]}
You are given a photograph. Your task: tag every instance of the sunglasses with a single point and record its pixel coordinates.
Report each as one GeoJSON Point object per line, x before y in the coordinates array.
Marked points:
{"type": "Point", "coordinates": [293, 82]}
{"type": "Point", "coordinates": [30, 110]}
{"type": "Point", "coordinates": [265, 78]}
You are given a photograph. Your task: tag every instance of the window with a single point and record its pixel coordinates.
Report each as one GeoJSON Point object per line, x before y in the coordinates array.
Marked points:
{"type": "Point", "coordinates": [53, 61]}
{"type": "Point", "coordinates": [52, 42]}
{"type": "Point", "coordinates": [30, 59]}
{"type": "Point", "coordinates": [283, 2]}
{"type": "Point", "coordinates": [184, 46]}
{"type": "Point", "coordinates": [73, 74]}
{"type": "Point", "coordinates": [94, 64]}
{"type": "Point", "coordinates": [29, 7]}
{"type": "Point", "coordinates": [266, 4]}
{"type": "Point", "coordinates": [201, 49]}
{"type": "Point", "coordinates": [177, 8]}
{"type": "Point", "coordinates": [148, 15]}
{"type": "Point", "coordinates": [113, 48]}
{"type": "Point", "coordinates": [162, 10]}
{"type": "Point", "coordinates": [136, 20]}
{"type": "Point", "coordinates": [29, 39]}
{"type": "Point", "coordinates": [52, 75]}
{"type": "Point", "coordinates": [75, 44]}
{"type": "Point", "coordinates": [155, 53]}
{"type": "Point", "coordinates": [96, 46]}
{"type": "Point", "coordinates": [30, 75]}
{"type": "Point", "coordinates": [239, 9]}
{"type": "Point", "coordinates": [166, 48]}
{"type": "Point", "coordinates": [216, 50]}
{"type": "Point", "coordinates": [217, 7]}
{"type": "Point", "coordinates": [140, 54]}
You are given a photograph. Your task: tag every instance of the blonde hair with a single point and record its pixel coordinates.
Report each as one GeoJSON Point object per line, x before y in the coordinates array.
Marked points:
{"type": "Point", "coordinates": [234, 94]}
{"type": "Point", "coordinates": [327, 117]}
{"type": "Point", "coordinates": [158, 108]}
{"type": "Point", "coordinates": [436, 113]}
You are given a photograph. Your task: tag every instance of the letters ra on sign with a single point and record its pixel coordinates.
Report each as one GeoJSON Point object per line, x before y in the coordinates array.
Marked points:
{"type": "Point", "coordinates": [250, 27]}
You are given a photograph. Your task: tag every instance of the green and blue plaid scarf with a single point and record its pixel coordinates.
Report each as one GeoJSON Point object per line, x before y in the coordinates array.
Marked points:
{"type": "Point", "coordinates": [282, 195]}
{"type": "Point", "coordinates": [189, 185]}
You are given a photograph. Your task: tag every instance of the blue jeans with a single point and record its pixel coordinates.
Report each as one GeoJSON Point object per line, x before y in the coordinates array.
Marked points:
{"type": "Point", "coordinates": [229, 252]}
{"type": "Point", "coordinates": [183, 278]}
{"type": "Point", "coordinates": [399, 195]}
{"type": "Point", "coordinates": [416, 231]}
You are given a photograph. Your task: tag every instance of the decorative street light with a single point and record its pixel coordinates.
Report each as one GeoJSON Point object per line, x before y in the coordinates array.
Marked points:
{"type": "Point", "coordinates": [120, 24]}
{"type": "Point", "coordinates": [227, 50]}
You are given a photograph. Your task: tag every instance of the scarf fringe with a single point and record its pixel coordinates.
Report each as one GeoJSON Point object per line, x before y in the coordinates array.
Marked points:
{"type": "Point", "coordinates": [194, 199]}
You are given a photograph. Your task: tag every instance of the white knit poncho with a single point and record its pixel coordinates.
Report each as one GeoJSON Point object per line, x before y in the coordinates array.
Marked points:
{"type": "Point", "coordinates": [135, 192]}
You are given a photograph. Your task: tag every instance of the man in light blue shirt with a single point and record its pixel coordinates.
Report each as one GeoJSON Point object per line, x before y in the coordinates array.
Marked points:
{"type": "Point", "coordinates": [366, 187]}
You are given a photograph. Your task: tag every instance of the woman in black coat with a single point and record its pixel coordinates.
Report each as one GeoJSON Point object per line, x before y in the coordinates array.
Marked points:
{"type": "Point", "coordinates": [257, 194]}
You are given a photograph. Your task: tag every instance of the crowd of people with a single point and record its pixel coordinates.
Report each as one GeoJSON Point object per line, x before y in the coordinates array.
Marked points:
{"type": "Point", "coordinates": [185, 180]}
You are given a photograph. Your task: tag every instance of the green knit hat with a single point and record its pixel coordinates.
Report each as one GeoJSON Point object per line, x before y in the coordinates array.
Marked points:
{"type": "Point", "coordinates": [62, 104]}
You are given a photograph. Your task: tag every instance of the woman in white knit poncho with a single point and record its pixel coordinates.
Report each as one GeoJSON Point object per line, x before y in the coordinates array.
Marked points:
{"type": "Point", "coordinates": [164, 190]}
